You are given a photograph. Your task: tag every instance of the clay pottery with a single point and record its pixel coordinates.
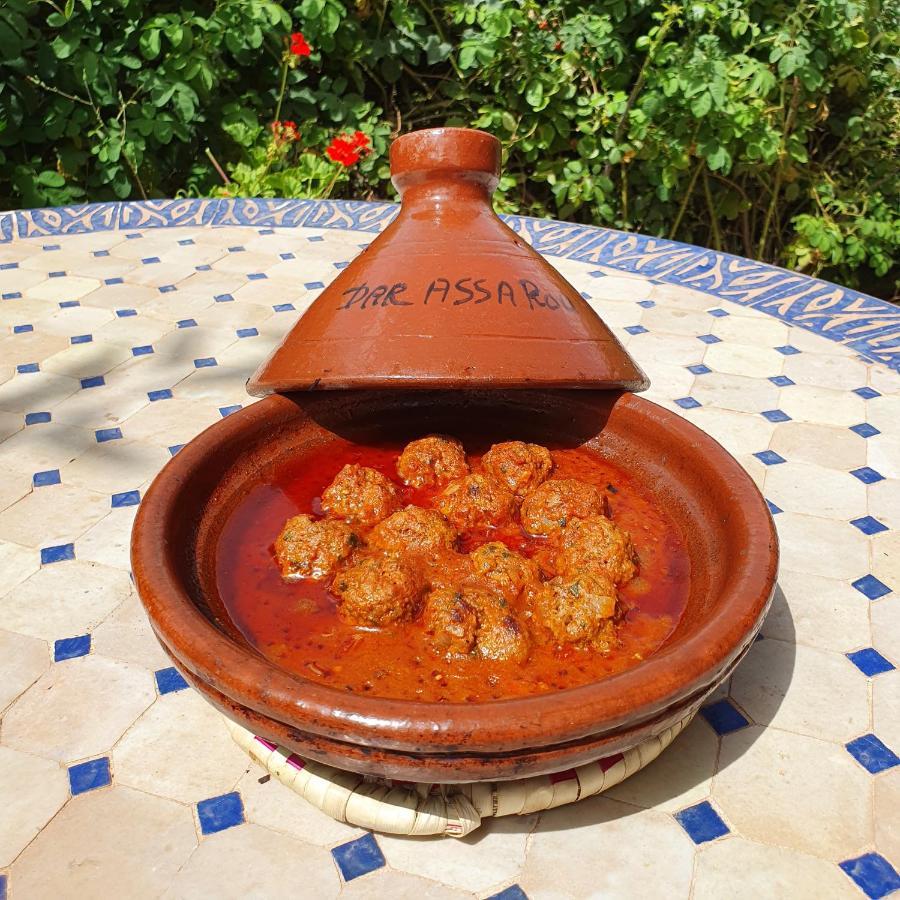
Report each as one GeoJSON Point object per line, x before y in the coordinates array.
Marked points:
{"type": "Point", "coordinates": [730, 539]}
{"type": "Point", "coordinates": [448, 296]}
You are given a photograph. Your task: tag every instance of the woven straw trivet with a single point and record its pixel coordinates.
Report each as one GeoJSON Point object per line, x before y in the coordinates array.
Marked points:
{"type": "Point", "coordinates": [446, 809]}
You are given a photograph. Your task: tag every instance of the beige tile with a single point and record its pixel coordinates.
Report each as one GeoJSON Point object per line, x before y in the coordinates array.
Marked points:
{"type": "Point", "coordinates": [169, 422]}
{"type": "Point", "coordinates": [491, 856]}
{"type": "Point", "coordinates": [105, 266]}
{"type": "Point", "coordinates": [254, 862]}
{"type": "Point", "coordinates": [810, 342]}
{"type": "Point", "coordinates": [886, 708]}
{"type": "Point", "coordinates": [32, 346]}
{"type": "Point", "coordinates": [76, 320]}
{"type": "Point", "coordinates": [755, 469]}
{"type": "Point", "coordinates": [822, 445]}
{"type": "Point", "coordinates": [883, 454]}
{"type": "Point", "coordinates": [158, 274]}
{"type": "Point", "coordinates": [133, 331]}
{"type": "Point", "coordinates": [736, 392]}
{"type": "Point", "coordinates": [740, 433]}
{"type": "Point", "coordinates": [744, 359]}
{"type": "Point", "coordinates": [240, 314]}
{"type": "Point", "coordinates": [884, 380]}
{"type": "Point", "coordinates": [674, 320]}
{"type": "Point", "coordinates": [23, 660]}
{"type": "Point", "coordinates": [42, 447]}
{"type": "Point", "coordinates": [680, 777]}
{"type": "Point", "coordinates": [753, 328]}
{"type": "Point", "coordinates": [886, 558]}
{"type": "Point", "coordinates": [387, 883]}
{"type": "Point", "coordinates": [10, 423]}
{"type": "Point", "coordinates": [887, 822]}
{"type": "Point", "coordinates": [217, 385]}
{"type": "Point", "coordinates": [816, 491]}
{"type": "Point", "coordinates": [63, 600]}
{"type": "Point", "coordinates": [109, 843]}
{"type": "Point", "coordinates": [24, 278]}
{"type": "Point", "coordinates": [32, 791]}
{"type": "Point", "coordinates": [621, 852]}
{"type": "Point", "coordinates": [80, 708]}
{"type": "Point", "coordinates": [35, 392]}
{"type": "Point", "coordinates": [126, 635]}
{"type": "Point", "coordinates": [178, 305]}
{"type": "Point", "coordinates": [822, 546]}
{"type": "Point", "coordinates": [52, 515]}
{"type": "Point", "coordinates": [796, 688]}
{"type": "Point", "coordinates": [834, 372]}
{"type": "Point", "coordinates": [13, 487]}
{"type": "Point", "coordinates": [246, 355]}
{"type": "Point", "coordinates": [685, 298]}
{"type": "Point", "coordinates": [743, 870]}
{"type": "Point", "coordinates": [115, 466]}
{"type": "Point", "coordinates": [121, 296]}
{"type": "Point", "coordinates": [16, 564]}
{"type": "Point", "coordinates": [100, 407]}
{"type": "Point", "coordinates": [269, 803]}
{"type": "Point", "coordinates": [885, 615]}
{"type": "Point", "coordinates": [884, 411]}
{"type": "Point", "coordinates": [149, 373]}
{"type": "Point", "coordinates": [795, 792]}
{"type": "Point", "coordinates": [821, 405]}
{"type": "Point", "coordinates": [69, 287]}
{"type": "Point", "coordinates": [818, 612]}
{"type": "Point", "coordinates": [109, 541]}
{"type": "Point", "coordinates": [193, 343]}
{"type": "Point", "coordinates": [153, 756]}
{"type": "Point", "coordinates": [214, 282]}
{"type": "Point", "coordinates": [677, 350]}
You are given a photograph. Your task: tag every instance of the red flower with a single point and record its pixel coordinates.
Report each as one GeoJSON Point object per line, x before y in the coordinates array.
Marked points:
{"type": "Point", "coordinates": [299, 47]}
{"type": "Point", "coordinates": [346, 149]}
{"type": "Point", "coordinates": [285, 131]}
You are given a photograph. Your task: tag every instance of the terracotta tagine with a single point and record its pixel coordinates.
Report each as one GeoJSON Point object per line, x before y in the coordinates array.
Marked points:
{"type": "Point", "coordinates": [450, 320]}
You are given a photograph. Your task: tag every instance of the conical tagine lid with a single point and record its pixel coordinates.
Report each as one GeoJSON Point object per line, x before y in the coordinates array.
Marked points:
{"type": "Point", "coordinates": [448, 296]}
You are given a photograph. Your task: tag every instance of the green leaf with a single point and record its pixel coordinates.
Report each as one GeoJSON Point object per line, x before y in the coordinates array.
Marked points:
{"type": "Point", "coordinates": [719, 159]}
{"type": "Point", "coordinates": [149, 43]}
{"type": "Point", "coordinates": [508, 121]}
{"type": "Point", "coordinates": [69, 9]}
{"type": "Point", "coordinates": [534, 93]}
{"type": "Point", "coordinates": [50, 179]}
{"type": "Point", "coordinates": [701, 104]}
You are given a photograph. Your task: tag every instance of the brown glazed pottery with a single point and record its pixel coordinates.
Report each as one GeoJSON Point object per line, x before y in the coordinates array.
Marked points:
{"type": "Point", "coordinates": [448, 296]}
{"type": "Point", "coordinates": [482, 334]}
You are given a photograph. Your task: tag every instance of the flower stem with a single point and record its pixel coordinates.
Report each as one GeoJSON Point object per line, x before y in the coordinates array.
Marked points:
{"type": "Point", "coordinates": [282, 88]}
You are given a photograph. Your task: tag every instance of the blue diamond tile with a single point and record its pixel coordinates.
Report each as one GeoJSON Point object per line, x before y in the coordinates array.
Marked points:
{"type": "Point", "coordinates": [867, 393]}
{"type": "Point", "coordinates": [107, 434]}
{"type": "Point", "coordinates": [143, 350]}
{"type": "Point", "coordinates": [56, 274]}
{"type": "Point", "coordinates": [71, 648]}
{"type": "Point", "coordinates": [701, 822]}
{"type": "Point", "coordinates": [37, 418]}
{"type": "Point", "coordinates": [2, 887]}
{"type": "Point", "coordinates": [313, 285]}
{"type": "Point", "coordinates": [585, 295]}
{"type": "Point", "coordinates": [204, 268]}
{"type": "Point", "coordinates": [235, 249]}
{"type": "Point", "coordinates": [126, 313]}
{"type": "Point", "coordinates": [11, 265]}
{"type": "Point", "coordinates": [28, 368]}
{"type": "Point", "coordinates": [125, 498]}
{"type": "Point", "coordinates": [90, 775]}
{"type": "Point", "coordinates": [286, 255]}
{"type": "Point", "coordinates": [867, 475]}
{"type": "Point", "coordinates": [776, 415]}
{"type": "Point", "coordinates": [256, 276]}
{"type": "Point", "coordinates": [709, 338]}
{"type": "Point", "coordinates": [688, 403]}
{"type": "Point", "coordinates": [93, 381]}
{"type": "Point", "coordinates": [646, 304]}
{"type": "Point", "coordinates": [111, 281]}
{"type": "Point", "coordinates": [770, 457]}
{"type": "Point", "coordinates": [223, 298]}
{"type": "Point", "coordinates": [167, 288]}
{"type": "Point", "coordinates": [873, 875]}
{"type": "Point", "coordinates": [358, 857]}
{"type": "Point", "coordinates": [782, 381]}
{"type": "Point", "coordinates": [186, 242]}
{"type": "Point", "coordinates": [133, 235]}
{"type": "Point", "coordinates": [164, 394]}
{"type": "Point", "coordinates": [50, 247]}
{"type": "Point", "coordinates": [266, 231]}
{"type": "Point", "coordinates": [228, 410]}
{"type": "Point", "coordinates": [723, 717]}
{"type": "Point", "coordinates": [513, 892]}
{"type": "Point", "coordinates": [68, 304]}
{"type": "Point", "coordinates": [341, 265]}
{"type": "Point", "coordinates": [636, 329]}
{"type": "Point", "coordinates": [773, 509]}
{"type": "Point", "coordinates": [175, 448]}
{"type": "Point", "coordinates": [871, 587]}
{"type": "Point", "coordinates": [315, 239]}
{"type": "Point", "coordinates": [219, 813]}
{"type": "Point", "coordinates": [699, 369]}
{"type": "Point", "coordinates": [718, 313]}
{"type": "Point", "coordinates": [150, 260]}
{"type": "Point", "coordinates": [787, 350]}
{"type": "Point", "coordinates": [11, 295]}
{"type": "Point", "coordinates": [81, 339]}
{"type": "Point", "coordinates": [869, 525]}
{"type": "Point", "coordinates": [864, 429]}
{"type": "Point", "coordinates": [43, 479]}
{"type": "Point", "coordinates": [870, 662]}
{"type": "Point", "coordinates": [247, 332]}
{"type": "Point", "coordinates": [169, 680]}
{"type": "Point", "coordinates": [59, 553]}
{"type": "Point", "coordinates": [872, 754]}
{"type": "Point", "coordinates": [205, 362]}
{"type": "Point", "coordinates": [101, 252]}
{"type": "Point", "coordinates": [186, 323]}
{"type": "Point", "coordinates": [22, 329]}
{"type": "Point", "coordinates": [283, 307]}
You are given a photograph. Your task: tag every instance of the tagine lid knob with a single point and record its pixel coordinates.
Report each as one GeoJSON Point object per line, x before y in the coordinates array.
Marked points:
{"type": "Point", "coordinates": [448, 296]}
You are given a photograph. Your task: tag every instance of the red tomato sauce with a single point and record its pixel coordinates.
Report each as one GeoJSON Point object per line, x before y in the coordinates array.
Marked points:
{"type": "Point", "coordinates": [295, 624]}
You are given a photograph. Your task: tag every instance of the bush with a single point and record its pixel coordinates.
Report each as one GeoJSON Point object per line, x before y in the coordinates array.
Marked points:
{"type": "Point", "coordinates": [769, 129]}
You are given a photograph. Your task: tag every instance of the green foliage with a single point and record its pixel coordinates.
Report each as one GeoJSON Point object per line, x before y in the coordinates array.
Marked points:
{"type": "Point", "coordinates": [765, 128]}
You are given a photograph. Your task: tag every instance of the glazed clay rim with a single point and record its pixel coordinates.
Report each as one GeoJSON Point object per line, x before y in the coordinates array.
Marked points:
{"type": "Point", "coordinates": [629, 697]}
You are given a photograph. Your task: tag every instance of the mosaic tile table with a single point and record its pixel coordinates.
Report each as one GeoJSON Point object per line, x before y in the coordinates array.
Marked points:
{"type": "Point", "coordinates": [128, 329]}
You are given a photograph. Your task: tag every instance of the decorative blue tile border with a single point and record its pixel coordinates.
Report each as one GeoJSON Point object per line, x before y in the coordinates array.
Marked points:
{"type": "Point", "coordinates": [867, 325]}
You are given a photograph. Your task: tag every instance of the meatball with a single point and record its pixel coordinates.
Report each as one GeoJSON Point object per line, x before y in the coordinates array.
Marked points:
{"type": "Point", "coordinates": [313, 548]}
{"type": "Point", "coordinates": [432, 460]}
{"type": "Point", "coordinates": [518, 466]}
{"type": "Point", "coordinates": [451, 622]}
{"type": "Point", "coordinates": [501, 635]}
{"type": "Point", "coordinates": [579, 609]}
{"type": "Point", "coordinates": [359, 494]}
{"type": "Point", "coordinates": [446, 569]}
{"type": "Point", "coordinates": [558, 500]}
{"type": "Point", "coordinates": [379, 590]}
{"type": "Point", "coordinates": [414, 530]}
{"type": "Point", "coordinates": [476, 501]}
{"type": "Point", "coordinates": [504, 570]}
{"type": "Point", "coordinates": [596, 544]}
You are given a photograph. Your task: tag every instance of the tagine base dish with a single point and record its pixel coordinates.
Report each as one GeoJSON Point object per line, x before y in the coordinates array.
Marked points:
{"type": "Point", "coordinates": [449, 810]}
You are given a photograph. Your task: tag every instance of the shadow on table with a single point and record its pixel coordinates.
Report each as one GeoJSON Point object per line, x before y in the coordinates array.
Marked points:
{"type": "Point", "coordinates": [679, 780]}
